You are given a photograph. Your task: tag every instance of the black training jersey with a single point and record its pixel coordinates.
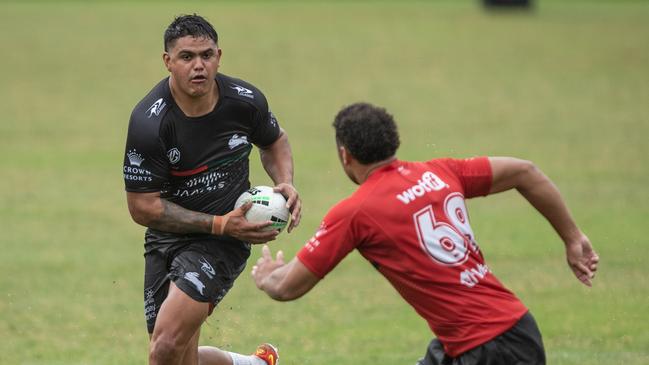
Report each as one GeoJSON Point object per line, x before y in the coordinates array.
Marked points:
{"type": "Point", "coordinates": [199, 163]}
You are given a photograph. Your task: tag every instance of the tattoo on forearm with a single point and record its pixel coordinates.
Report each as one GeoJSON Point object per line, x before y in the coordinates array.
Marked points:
{"type": "Point", "coordinates": [177, 219]}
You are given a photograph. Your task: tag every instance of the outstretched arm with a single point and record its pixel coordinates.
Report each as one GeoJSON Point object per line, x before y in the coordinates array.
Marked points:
{"type": "Point", "coordinates": [277, 160]}
{"type": "Point", "coordinates": [150, 210]}
{"type": "Point", "coordinates": [282, 281]}
{"type": "Point", "coordinates": [540, 191]}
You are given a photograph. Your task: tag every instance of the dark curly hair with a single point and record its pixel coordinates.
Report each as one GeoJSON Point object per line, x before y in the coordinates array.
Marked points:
{"type": "Point", "coordinates": [189, 25]}
{"type": "Point", "coordinates": [368, 132]}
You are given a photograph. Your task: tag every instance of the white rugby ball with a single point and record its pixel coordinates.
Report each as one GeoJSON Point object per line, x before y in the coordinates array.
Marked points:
{"type": "Point", "coordinates": [267, 205]}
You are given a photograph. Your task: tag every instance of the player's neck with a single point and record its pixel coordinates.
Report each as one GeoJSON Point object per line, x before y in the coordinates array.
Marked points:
{"type": "Point", "coordinates": [195, 106]}
{"type": "Point", "coordinates": [365, 171]}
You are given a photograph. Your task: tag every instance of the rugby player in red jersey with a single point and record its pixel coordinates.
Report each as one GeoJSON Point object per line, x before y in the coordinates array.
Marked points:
{"type": "Point", "coordinates": [409, 219]}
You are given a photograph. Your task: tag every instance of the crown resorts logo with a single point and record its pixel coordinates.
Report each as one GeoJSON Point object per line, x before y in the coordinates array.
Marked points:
{"type": "Point", "coordinates": [134, 158]}
{"type": "Point", "coordinates": [133, 171]}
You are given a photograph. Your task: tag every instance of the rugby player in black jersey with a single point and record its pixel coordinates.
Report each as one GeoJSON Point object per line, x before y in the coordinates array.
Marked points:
{"type": "Point", "coordinates": [185, 164]}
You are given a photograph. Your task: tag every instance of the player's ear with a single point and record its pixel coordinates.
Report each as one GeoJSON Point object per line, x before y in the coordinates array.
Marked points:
{"type": "Point", "coordinates": [344, 155]}
{"type": "Point", "coordinates": [219, 52]}
{"type": "Point", "coordinates": [167, 60]}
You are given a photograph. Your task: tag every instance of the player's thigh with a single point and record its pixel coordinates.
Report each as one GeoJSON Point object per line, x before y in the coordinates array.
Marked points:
{"type": "Point", "coordinates": [206, 271]}
{"type": "Point", "coordinates": [180, 317]}
{"type": "Point", "coordinates": [156, 283]}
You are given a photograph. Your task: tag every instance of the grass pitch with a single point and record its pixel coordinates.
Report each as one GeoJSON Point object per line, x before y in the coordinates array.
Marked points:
{"type": "Point", "coordinates": [566, 86]}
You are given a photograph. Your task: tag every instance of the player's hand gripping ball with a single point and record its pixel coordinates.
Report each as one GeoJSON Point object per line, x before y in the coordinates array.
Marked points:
{"type": "Point", "coordinates": [267, 205]}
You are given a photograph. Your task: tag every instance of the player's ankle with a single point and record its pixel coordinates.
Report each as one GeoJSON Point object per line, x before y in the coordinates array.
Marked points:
{"type": "Point", "coordinates": [239, 359]}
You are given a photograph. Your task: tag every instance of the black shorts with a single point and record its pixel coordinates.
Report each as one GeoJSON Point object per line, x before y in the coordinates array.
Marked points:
{"type": "Point", "coordinates": [204, 269]}
{"type": "Point", "coordinates": [520, 345]}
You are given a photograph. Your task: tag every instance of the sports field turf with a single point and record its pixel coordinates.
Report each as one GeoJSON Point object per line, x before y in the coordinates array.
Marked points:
{"type": "Point", "coordinates": [566, 86]}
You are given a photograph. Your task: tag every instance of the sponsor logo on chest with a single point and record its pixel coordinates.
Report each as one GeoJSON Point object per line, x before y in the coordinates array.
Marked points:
{"type": "Point", "coordinates": [173, 155]}
{"type": "Point", "coordinates": [133, 171]}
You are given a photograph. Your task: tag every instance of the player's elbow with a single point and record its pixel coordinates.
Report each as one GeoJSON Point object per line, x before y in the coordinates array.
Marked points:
{"type": "Point", "coordinates": [143, 211]}
{"type": "Point", "coordinates": [528, 171]}
{"type": "Point", "coordinates": [527, 166]}
{"type": "Point", "coordinates": [518, 172]}
{"type": "Point", "coordinates": [140, 216]}
{"type": "Point", "coordinates": [529, 176]}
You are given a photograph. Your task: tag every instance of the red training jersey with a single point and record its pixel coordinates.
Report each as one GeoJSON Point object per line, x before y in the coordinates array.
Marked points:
{"type": "Point", "coordinates": [410, 221]}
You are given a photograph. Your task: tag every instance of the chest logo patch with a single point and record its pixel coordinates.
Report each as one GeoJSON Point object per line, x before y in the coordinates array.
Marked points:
{"type": "Point", "coordinates": [156, 108]}
{"type": "Point", "coordinates": [237, 140]}
{"type": "Point", "coordinates": [242, 91]}
{"type": "Point", "coordinates": [173, 155]}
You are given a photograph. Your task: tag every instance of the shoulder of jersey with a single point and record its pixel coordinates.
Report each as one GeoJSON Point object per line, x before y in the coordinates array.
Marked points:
{"type": "Point", "coordinates": [155, 104]}
{"type": "Point", "coordinates": [347, 207]}
{"type": "Point", "coordinates": [241, 90]}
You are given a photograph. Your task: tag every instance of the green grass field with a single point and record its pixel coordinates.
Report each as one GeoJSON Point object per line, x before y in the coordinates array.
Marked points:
{"type": "Point", "coordinates": [566, 86]}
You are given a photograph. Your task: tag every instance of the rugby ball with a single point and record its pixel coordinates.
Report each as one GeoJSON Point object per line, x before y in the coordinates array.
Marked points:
{"type": "Point", "coordinates": [267, 205]}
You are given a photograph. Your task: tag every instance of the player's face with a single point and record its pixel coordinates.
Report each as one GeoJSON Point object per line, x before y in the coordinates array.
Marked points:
{"type": "Point", "coordinates": [193, 63]}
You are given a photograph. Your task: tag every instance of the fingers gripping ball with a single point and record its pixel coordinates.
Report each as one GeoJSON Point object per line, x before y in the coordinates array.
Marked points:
{"type": "Point", "coordinates": [267, 205]}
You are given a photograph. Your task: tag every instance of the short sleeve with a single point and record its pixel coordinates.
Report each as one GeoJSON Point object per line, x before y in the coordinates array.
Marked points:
{"type": "Point", "coordinates": [266, 128]}
{"type": "Point", "coordinates": [331, 243]}
{"type": "Point", "coordinates": [474, 174]}
{"type": "Point", "coordinates": [145, 162]}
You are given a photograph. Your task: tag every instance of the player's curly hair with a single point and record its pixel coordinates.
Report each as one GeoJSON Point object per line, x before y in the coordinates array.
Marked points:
{"type": "Point", "coordinates": [368, 132]}
{"type": "Point", "coordinates": [193, 25]}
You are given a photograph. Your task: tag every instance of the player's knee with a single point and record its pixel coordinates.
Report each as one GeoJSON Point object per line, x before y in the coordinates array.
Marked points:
{"type": "Point", "coordinates": [165, 347]}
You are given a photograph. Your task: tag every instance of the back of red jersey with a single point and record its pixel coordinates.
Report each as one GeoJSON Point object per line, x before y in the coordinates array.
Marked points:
{"type": "Point", "coordinates": [410, 221]}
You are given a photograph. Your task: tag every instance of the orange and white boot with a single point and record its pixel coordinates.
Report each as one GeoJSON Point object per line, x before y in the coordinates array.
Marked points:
{"type": "Point", "coordinates": [268, 353]}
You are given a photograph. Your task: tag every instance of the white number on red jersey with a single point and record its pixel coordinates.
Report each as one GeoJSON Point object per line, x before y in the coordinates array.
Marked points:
{"type": "Point", "coordinates": [447, 244]}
